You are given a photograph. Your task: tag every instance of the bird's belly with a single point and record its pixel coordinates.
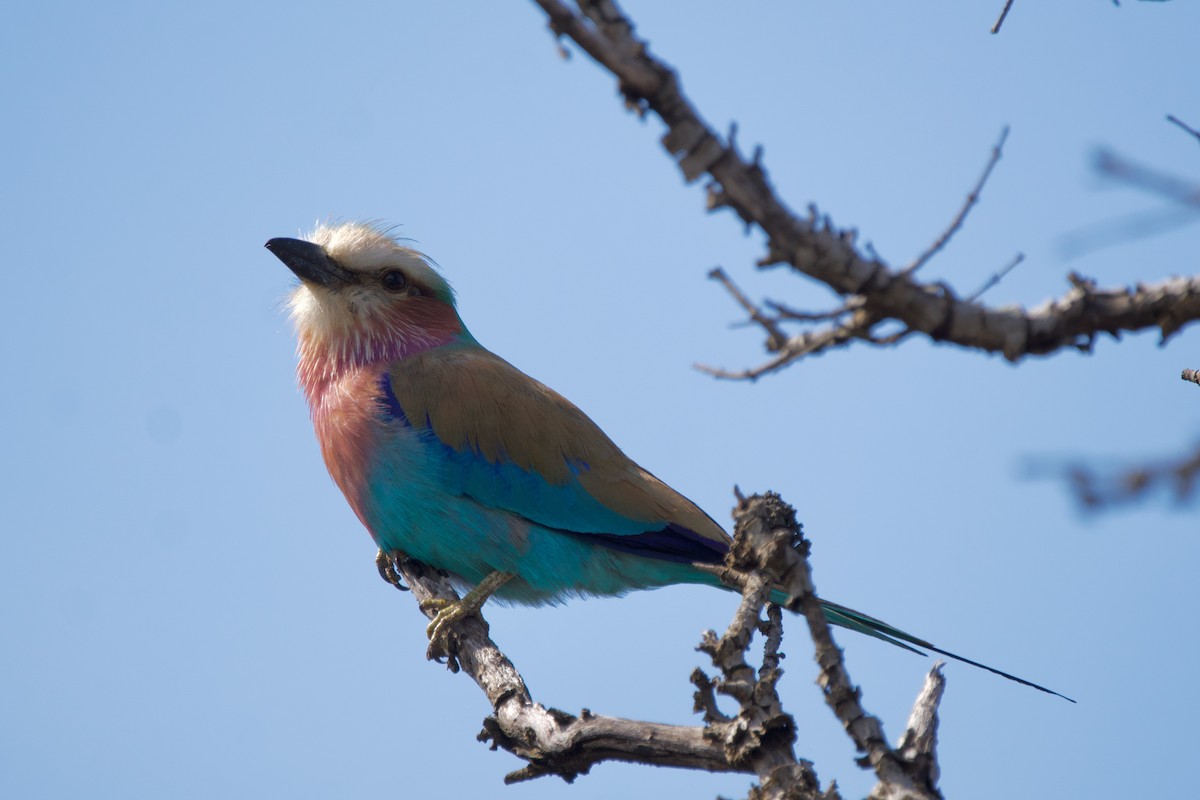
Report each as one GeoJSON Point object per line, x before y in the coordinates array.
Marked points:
{"type": "Point", "coordinates": [411, 505]}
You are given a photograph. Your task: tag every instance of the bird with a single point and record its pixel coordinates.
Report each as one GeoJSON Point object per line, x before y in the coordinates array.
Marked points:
{"type": "Point", "coordinates": [452, 456]}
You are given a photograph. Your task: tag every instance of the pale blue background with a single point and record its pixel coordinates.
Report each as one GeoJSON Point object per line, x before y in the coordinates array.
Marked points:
{"type": "Point", "coordinates": [188, 609]}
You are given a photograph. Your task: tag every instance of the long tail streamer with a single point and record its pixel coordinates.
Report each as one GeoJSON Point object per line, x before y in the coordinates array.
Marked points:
{"type": "Point", "coordinates": [857, 621]}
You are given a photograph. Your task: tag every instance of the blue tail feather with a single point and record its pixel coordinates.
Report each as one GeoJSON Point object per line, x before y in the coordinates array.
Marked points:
{"type": "Point", "coordinates": [678, 544]}
{"type": "Point", "coordinates": [857, 621]}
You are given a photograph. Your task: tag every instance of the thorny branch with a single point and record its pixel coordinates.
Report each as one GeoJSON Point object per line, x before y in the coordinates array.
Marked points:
{"type": "Point", "coordinates": [769, 550]}
{"type": "Point", "coordinates": [813, 246]}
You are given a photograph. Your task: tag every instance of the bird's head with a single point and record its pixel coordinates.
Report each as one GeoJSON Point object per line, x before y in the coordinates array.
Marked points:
{"type": "Point", "coordinates": [363, 298]}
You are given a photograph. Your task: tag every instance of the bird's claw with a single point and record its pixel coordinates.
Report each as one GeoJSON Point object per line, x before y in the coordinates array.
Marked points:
{"type": "Point", "coordinates": [450, 612]}
{"type": "Point", "coordinates": [386, 564]}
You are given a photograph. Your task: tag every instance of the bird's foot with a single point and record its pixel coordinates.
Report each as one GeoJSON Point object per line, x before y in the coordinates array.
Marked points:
{"type": "Point", "coordinates": [452, 611]}
{"type": "Point", "coordinates": [386, 564]}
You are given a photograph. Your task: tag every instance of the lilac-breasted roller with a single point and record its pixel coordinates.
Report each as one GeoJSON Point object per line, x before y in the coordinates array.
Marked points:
{"type": "Point", "coordinates": [453, 456]}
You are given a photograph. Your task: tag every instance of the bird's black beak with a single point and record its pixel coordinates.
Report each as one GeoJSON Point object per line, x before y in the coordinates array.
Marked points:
{"type": "Point", "coordinates": [310, 262]}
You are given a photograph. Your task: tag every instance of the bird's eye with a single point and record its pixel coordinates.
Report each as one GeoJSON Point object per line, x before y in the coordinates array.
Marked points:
{"type": "Point", "coordinates": [394, 280]}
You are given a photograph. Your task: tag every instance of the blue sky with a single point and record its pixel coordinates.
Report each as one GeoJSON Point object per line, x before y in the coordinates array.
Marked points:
{"type": "Point", "coordinates": [190, 610]}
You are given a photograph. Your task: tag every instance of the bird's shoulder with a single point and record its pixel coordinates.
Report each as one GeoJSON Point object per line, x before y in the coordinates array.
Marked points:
{"type": "Point", "coordinates": [474, 399]}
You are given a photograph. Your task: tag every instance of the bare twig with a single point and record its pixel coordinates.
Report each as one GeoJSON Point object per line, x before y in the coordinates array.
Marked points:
{"type": "Point", "coordinates": [789, 313]}
{"type": "Point", "coordinates": [795, 347]}
{"type": "Point", "coordinates": [996, 278]}
{"type": "Point", "coordinates": [814, 247]}
{"type": "Point", "coordinates": [1168, 186]}
{"type": "Point", "coordinates": [775, 337]}
{"type": "Point", "coordinates": [1177, 121]}
{"type": "Point", "coordinates": [972, 199]}
{"type": "Point", "coordinates": [1003, 14]}
{"type": "Point", "coordinates": [705, 698]}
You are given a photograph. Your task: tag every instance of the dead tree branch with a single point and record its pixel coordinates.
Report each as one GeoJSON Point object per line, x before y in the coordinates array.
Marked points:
{"type": "Point", "coordinates": [553, 742]}
{"type": "Point", "coordinates": [919, 744]}
{"type": "Point", "coordinates": [768, 541]}
{"type": "Point", "coordinates": [1098, 490]}
{"type": "Point", "coordinates": [769, 551]}
{"type": "Point", "coordinates": [813, 246]}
